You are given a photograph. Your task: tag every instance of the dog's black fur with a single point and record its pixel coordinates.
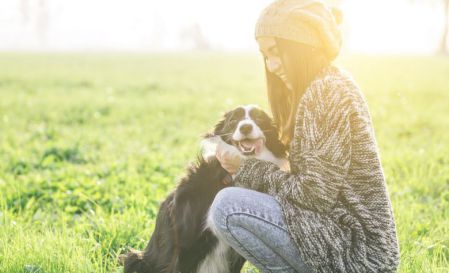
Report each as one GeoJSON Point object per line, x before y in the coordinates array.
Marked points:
{"type": "Point", "coordinates": [180, 241]}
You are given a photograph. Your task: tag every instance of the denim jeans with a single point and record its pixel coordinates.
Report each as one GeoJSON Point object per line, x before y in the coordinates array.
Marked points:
{"type": "Point", "coordinates": [252, 223]}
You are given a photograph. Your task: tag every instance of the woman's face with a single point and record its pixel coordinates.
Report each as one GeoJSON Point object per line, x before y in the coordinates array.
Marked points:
{"type": "Point", "coordinates": [273, 60]}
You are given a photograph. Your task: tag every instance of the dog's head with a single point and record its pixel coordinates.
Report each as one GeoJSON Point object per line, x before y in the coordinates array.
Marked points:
{"type": "Point", "coordinates": [250, 130]}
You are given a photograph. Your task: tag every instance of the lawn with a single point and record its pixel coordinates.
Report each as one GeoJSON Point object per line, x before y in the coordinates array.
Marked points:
{"type": "Point", "coordinates": [90, 144]}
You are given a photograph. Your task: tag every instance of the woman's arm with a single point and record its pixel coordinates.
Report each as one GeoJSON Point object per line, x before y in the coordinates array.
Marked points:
{"type": "Point", "coordinates": [323, 156]}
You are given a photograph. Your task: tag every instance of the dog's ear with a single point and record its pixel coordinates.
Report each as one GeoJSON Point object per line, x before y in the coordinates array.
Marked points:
{"type": "Point", "coordinates": [274, 144]}
{"type": "Point", "coordinates": [219, 127]}
{"type": "Point", "coordinates": [217, 130]}
{"type": "Point", "coordinates": [271, 132]}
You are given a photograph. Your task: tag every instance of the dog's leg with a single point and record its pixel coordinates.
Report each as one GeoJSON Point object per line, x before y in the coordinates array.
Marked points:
{"type": "Point", "coordinates": [133, 262]}
{"type": "Point", "coordinates": [158, 255]}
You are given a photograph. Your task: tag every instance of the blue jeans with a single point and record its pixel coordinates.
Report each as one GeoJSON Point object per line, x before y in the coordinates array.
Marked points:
{"type": "Point", "coordinates": [252, 223]}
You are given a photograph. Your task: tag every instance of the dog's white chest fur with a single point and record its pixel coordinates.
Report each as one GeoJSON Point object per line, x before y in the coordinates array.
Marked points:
{"type": "Point", "coordinates": [216, 261]}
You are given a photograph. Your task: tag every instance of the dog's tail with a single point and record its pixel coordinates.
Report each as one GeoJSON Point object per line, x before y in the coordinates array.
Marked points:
{"type": "Point", "coordinates": [133, 262]}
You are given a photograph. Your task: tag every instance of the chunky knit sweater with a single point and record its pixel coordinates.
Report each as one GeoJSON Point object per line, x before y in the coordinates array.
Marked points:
{"type": "Point", "coordinates": [334, 198]}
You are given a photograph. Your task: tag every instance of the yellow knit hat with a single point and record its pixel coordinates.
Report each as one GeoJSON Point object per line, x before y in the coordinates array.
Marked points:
{"type": "Point", "coordinates": [309, 22]}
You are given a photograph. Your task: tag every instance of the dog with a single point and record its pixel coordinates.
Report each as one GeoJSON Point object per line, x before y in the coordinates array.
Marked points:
{"type": "Point", "coordinates": [183, 241]}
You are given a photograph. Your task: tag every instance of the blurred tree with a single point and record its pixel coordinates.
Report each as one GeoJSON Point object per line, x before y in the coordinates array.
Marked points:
{"type": "Point", "coordinates": [194, 36]}
{"type": "Point", "coordinates": [25, 11]}
{"type": "Point", "coordinates": [42, 21]}
{"type": "Point", "coordinates": [36, 14]}
{"type": "Point", "coordinates": [443, 45]}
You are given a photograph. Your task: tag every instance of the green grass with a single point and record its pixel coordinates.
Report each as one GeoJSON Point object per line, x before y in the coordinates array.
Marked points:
{"type": "Point", "coordinates": [91, 143]}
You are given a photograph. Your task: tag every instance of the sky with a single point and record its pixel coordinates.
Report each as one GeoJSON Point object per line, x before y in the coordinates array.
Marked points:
{"type": "Point", "coordinates": [381, 26]}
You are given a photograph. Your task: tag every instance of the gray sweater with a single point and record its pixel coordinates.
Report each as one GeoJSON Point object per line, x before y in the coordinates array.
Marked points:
{"type": "Point", "coordinates": [334, 199]}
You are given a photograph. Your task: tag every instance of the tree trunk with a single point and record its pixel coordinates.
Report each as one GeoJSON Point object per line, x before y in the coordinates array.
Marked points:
{"type": "Point", "coordinates": [42, 21]}
{"type": "Point", "coordinates": [25, 11]}
{"type": "Point", "coordinates": [443, 46]}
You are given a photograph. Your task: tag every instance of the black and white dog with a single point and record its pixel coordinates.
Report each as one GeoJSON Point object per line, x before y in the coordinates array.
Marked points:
{"type": "Point", "coordinates": [182, 240]}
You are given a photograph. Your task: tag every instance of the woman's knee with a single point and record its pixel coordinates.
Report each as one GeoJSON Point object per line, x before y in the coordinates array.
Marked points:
{"type": "Point", "coordinates": [220, 209]}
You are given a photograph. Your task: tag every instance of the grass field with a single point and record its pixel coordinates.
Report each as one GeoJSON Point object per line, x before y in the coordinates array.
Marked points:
{"type": "Point", "coordinates": [91, 143]}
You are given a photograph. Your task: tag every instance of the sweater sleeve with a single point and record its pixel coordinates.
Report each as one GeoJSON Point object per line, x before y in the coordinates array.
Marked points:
{"type": "Point", "coordinates": [319, 162]}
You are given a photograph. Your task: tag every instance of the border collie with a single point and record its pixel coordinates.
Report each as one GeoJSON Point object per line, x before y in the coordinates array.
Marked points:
{"type": "Point", "coordinates": [182, 240]}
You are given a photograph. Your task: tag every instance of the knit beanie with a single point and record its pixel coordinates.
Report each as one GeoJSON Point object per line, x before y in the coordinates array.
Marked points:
{"type": "Point", "coordinates": [310, 22]}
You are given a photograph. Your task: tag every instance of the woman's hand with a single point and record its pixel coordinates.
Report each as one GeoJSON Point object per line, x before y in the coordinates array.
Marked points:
{"type": "Point", "coordinates": [229, 157]}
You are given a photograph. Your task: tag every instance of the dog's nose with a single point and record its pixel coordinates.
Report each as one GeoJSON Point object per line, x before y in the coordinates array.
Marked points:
{"type": "Point", "coordinates": [246, 129]}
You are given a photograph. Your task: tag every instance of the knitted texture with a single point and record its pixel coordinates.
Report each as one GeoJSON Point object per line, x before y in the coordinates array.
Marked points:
{"type": "Point", "coordinates": [309, 22]}
{"type": "Point", "coordinates": [334, 198]}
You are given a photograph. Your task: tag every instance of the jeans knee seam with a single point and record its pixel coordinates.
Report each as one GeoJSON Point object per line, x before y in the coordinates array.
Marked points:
{"type": "Point", "coordinates": [241, 245]}
{"type": "Point", "coordinates": [238, 241]}
{"type": "Point", "coordinates": [257, 217]}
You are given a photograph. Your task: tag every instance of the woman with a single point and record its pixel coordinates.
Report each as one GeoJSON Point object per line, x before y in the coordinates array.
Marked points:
{"type": "Point", "coordinates": [331, 212]}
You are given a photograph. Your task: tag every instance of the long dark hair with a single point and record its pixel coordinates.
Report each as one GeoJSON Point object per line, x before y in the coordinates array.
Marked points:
{"type": "Point", "coordinates": [301, 63]}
